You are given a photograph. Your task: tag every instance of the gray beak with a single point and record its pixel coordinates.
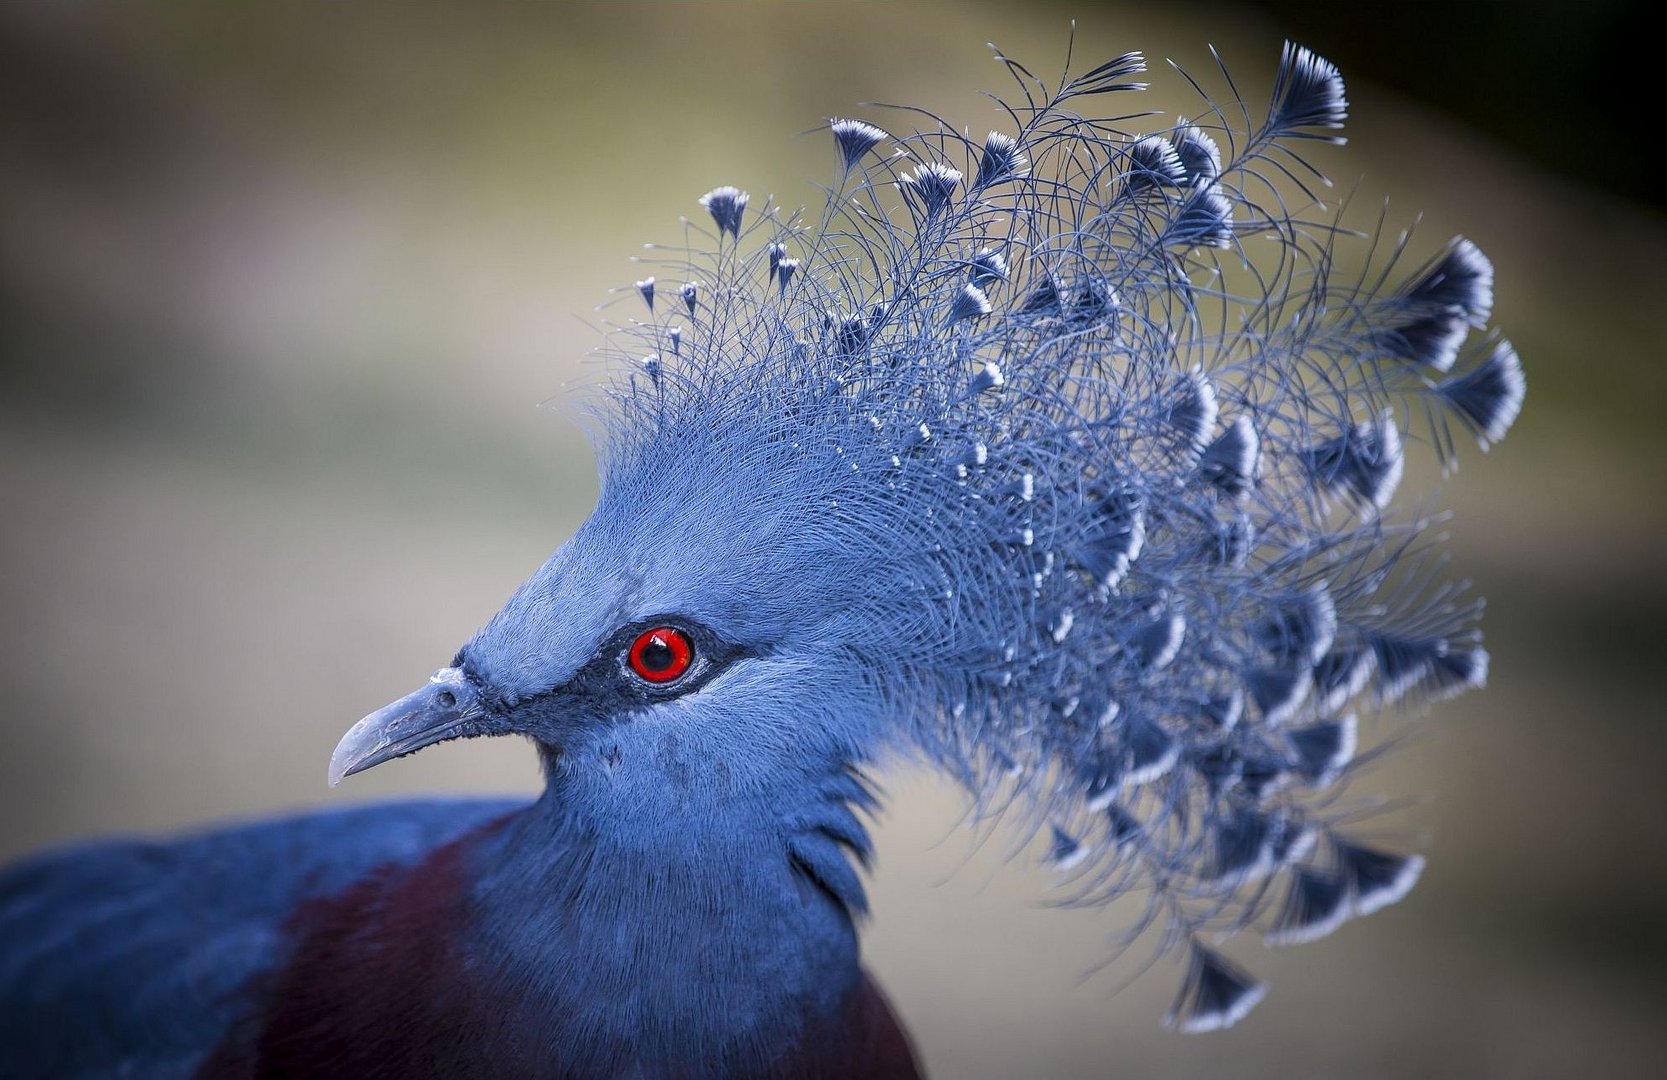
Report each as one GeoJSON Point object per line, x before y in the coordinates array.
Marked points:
{"type": "Point", "coordinates": [444, 709]}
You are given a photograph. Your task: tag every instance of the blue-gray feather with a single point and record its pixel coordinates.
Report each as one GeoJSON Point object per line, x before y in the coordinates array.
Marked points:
{"type": "Point", "coordinates": [143, 949]}
{"type": "Point", "coordinates": [1069, 467]}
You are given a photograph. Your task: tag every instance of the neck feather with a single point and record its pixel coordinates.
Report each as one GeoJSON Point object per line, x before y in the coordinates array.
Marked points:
{"type": "Point", "coordinates": [721, 937]}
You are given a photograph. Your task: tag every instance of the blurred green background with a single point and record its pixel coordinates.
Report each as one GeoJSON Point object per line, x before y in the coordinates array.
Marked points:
{"type": "Point", "coordinates": [281, 287]}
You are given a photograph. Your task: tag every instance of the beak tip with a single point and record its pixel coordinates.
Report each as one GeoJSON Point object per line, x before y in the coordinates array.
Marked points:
{"type": "Point", "coordinates": [349, 754]}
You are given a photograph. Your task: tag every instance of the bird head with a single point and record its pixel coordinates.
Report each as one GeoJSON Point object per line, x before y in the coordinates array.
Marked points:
{"type": "Point", "coordinates": [1061, 459]}
{"type": "Point", "coordinates": [726, 628]}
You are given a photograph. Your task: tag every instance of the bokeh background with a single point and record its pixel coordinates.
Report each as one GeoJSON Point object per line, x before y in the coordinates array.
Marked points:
{"type": "Point", "coordinates": [283, 286]}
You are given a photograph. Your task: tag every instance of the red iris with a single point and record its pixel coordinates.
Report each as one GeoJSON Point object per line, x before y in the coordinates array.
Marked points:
{"type": "Point", "coordinates": [661, 654]}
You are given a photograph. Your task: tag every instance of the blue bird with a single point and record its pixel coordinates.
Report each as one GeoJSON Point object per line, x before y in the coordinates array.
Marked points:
{"type": "Point", "coordinates": [1063, 459]}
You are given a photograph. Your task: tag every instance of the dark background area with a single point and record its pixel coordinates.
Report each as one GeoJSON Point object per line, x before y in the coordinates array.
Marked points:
{"type": "Point", "coordinates": [281, 288]}
{"type": "Point", "coordinates": [1561, 83]}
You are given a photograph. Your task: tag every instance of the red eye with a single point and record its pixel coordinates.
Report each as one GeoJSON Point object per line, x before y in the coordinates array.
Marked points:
{"type": "Point", "coordinates": [662, 654]}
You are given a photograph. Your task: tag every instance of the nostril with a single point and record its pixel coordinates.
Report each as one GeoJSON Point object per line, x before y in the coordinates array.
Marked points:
{"type": "Point", "coordinates": [446, 699]}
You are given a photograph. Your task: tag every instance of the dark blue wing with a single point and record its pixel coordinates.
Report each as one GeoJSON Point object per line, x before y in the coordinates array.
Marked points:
{"type": "Point", "coordinates": [126, 957]}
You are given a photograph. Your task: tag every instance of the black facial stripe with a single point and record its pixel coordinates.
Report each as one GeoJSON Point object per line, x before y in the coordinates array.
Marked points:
{"type": "Point", "coordinates": [609, 686]}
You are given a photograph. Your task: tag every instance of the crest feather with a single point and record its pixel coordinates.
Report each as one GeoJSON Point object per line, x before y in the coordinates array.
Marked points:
{"type": "Point", "coordinates": [1089, 465]}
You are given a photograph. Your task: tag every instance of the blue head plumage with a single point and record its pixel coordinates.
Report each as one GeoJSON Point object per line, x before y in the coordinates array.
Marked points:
{"type": "Point", "coordinates": [1063, 459]}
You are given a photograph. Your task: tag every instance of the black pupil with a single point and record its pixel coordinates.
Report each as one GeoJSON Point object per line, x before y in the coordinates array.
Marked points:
{"type": "Point", "coordinates": [656, 656]}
